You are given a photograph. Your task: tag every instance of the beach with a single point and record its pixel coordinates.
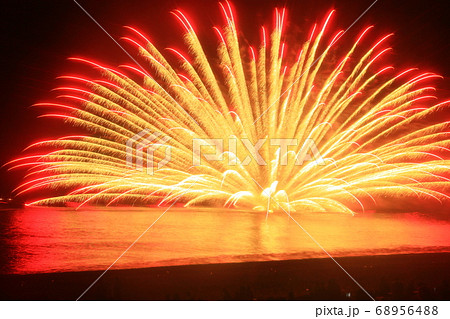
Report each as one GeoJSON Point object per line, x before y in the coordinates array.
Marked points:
{"type": "Point", "coordinates": [385, 277]}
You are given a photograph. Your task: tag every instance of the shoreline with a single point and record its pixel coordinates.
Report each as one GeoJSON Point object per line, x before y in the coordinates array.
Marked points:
{"type": "Point", "coordinates": [419, 276]}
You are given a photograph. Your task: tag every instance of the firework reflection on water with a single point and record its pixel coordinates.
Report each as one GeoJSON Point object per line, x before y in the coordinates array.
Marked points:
{"type": "Point", "coordinates": [62, 239]}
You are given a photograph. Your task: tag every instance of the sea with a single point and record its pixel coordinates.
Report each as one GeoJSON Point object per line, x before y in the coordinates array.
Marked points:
{"type": "Point", "coordinates": [45, 240]}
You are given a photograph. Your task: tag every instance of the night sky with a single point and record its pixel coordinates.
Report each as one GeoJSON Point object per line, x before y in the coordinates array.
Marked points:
{"type": "Point", "coordinates": [38, 36]}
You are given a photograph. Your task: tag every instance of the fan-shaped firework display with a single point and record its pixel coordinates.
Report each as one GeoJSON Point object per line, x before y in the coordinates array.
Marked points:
{"type": "Point", "coordinates": [372, 140]}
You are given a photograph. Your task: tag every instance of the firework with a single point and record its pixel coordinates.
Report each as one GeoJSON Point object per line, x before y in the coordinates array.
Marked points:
{"type": "Point", "coordinates": [371, 128]}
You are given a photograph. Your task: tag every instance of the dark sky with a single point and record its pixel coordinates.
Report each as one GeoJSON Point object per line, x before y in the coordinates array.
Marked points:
{"type": "Point", "coordinates": [38, 36]}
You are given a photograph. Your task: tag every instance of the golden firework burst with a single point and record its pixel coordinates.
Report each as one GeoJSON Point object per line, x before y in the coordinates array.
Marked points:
{"type": "Point", "coordinates": [369, 128]}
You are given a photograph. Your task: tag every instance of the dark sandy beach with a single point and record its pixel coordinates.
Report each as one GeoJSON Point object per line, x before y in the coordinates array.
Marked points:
{"type": "Point", "coordinates": [386, 277]}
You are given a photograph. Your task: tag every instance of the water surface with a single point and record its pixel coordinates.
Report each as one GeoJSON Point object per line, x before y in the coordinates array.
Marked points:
{"type": "Point", "coordinates": [36, 240]}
